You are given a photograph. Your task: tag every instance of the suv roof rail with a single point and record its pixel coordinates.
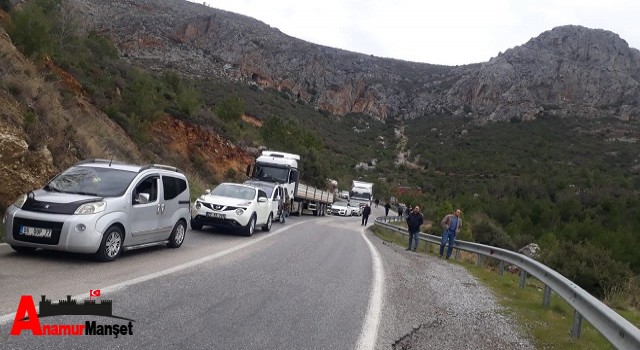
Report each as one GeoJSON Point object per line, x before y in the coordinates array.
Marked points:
{"type": "Point", "coordinates": [99, 160]}
{"type": "Point", "coordinates": [160, 166]}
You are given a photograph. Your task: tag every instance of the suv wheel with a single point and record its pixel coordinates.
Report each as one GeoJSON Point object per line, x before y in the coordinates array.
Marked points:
{"type": "Point", "coordinates": [111, 245]}
{"type": "Point", "coordinates": [196, 225]}
{"type": "Point", "coordinates": [267, 227]}
{"type": "Point", "coordinates": [23, 250]}
{"type": "Point", "coordinates": [251, 226]}
{"type": "Point", "coordinates": [177, 235]}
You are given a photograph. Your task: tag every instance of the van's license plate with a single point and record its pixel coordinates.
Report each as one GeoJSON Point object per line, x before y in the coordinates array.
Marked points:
{"type": "Point", "coordinates": [216, 215]}
{"type": "Point", "coordinates": [35, 231]}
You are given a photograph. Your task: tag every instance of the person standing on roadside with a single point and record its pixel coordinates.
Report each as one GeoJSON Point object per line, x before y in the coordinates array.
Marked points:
{"type": "Point", "coordinates": [377, 202]}
{"type": "Point", "coordinates": [386, 209]}
{"type": "Point", "coordinates": [408, 211]}
{"type": "Point", "coordinates": [414, 221]}
{"type": "Point", "coordinates": [451, 225]}
{"type": "Point", "coordinates": [365, 214]}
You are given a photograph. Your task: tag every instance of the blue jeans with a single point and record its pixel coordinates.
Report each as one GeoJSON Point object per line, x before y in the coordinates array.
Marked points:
{"type": "Point", "coordinates": [413, 238]}
{"type": "Point", "coordinates": [447, 236]}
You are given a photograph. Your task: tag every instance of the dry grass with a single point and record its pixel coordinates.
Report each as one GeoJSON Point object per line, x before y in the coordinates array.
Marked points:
{"type": "Point", "coordinates": [625, 296]}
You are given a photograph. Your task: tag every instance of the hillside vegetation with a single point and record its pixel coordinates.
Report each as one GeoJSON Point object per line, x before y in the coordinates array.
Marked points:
{"type": "Point", "coordinates": [570, 185]}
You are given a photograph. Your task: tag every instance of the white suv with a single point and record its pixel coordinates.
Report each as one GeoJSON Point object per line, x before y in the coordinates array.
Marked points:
{"type": "Point", "coordinates": [233, 206]}
{"type": "Point", "coordinates": [102, 207]}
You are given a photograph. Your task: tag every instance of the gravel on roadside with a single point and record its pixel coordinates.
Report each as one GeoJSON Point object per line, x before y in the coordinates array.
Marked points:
{"type": "Point", "coordinates": [430, 303]}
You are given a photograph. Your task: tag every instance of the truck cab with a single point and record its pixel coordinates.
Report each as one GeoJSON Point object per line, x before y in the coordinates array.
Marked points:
{"type": "Point", "coordinates": [276, 167]}
{"type": "Point", "coordinates": [361, 193]}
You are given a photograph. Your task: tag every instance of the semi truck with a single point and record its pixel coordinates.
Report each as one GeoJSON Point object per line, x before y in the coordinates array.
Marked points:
{"type": "Point", "coordinates": [361, 193]}
{"type": "Point", "coordinates": [282, 168]}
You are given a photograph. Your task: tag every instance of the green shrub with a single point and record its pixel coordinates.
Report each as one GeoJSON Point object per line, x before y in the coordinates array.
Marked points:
{"type": "Point", "coordinates": [230, 109]}
{"type": "Point", "coordinates": [485, 231]}
{"type": "Point", "coordinates": [141, 96]}
{"type": "Point", "coordinates": [29, 30]}
{"type": "Point", "coordinates": [592, 268]}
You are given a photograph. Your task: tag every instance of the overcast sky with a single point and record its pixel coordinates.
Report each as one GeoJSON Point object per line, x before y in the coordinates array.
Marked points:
{"type": "Point", "coordinates": [446, 32]}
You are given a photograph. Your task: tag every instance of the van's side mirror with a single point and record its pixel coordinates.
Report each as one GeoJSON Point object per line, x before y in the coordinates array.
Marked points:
{"type": "Point", "coordinates": [207, 191]}
{"type": "Point", "coordinates": [143, 198]}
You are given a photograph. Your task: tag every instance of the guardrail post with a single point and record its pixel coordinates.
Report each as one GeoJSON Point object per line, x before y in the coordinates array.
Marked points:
{"type": "Point", "coordinates": [576, 329]}
{"type": "Point", "coordinates": [479, 260]}
{"type": "Point", "coordinates": [457, 256]}
{"type": "Point", "coordinates": [523, 278]}
{"type": "Point", "coordinates": [501, 268]}
{"type": "Point", "coordinates": [546, 297]}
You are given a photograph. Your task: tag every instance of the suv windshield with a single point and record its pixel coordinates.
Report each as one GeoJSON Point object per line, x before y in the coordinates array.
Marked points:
{"type": "Point", "coordinates": [233, 191]}
{"type": "Point", "coordinates": [92, 181]}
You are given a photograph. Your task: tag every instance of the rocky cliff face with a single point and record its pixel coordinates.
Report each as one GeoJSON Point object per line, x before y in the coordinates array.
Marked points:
{"type": "Point", "coordinates": [567, 70]}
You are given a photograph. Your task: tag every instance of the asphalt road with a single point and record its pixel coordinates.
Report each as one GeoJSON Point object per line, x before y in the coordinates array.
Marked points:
{"type": "Point", "coordinates": [307, 284]}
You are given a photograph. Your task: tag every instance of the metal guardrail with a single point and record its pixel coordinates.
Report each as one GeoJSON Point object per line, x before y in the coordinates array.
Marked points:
{"type": "Point", "coordinates": [621, 333]}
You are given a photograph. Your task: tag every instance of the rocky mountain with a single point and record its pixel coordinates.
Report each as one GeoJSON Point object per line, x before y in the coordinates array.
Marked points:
{"type": "Point", "coordinates": [569, 70]}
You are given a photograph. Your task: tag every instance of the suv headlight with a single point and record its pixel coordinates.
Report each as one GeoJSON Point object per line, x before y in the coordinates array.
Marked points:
{"type": "Point", "coordinates": [20, 201]}
{"type": "Point", "coordinates": [91, 208]}
{"type": "Point", "coordinates": [198, 206]}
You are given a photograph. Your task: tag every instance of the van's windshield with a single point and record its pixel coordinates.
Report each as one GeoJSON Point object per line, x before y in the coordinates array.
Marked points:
{"type": "Point", "coordinates": [92, 181]}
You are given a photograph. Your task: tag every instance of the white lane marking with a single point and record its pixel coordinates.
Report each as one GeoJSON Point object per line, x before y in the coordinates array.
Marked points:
{"type": "Point", "coordinates": [369, 333]}
{"type": "Point", "coordinates": [4, 243]}
{"type": "Point", "coordinates": [114, 287]}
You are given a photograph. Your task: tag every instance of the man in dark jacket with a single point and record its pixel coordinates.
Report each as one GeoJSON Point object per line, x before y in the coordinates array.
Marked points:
{"type": "Point", "coordinates": [365, 214]}
{"type": "Point", "coordinates": [414, 221]}
{"type": "Point", "coordinates": [386, 209]}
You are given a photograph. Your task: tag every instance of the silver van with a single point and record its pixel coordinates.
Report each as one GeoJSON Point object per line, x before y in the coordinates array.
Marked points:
{"type": "Point", "coordinates": [102, 207]}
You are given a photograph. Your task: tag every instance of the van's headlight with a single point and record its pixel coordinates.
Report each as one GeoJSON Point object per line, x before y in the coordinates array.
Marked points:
{"type": "Point", "coordinates": [91, 208]}
{"type": "Point", "coordinates": [20, 201]}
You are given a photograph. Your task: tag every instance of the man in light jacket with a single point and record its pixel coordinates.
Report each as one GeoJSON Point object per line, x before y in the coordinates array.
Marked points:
{"type": "Point", "coordinates": [451, 225]}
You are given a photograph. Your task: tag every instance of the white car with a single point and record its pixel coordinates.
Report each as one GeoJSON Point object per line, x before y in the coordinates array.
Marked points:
{"type": "Point", "coordinates": [343, 209]}
{"type": "Point", "coordinates": [235, 206]}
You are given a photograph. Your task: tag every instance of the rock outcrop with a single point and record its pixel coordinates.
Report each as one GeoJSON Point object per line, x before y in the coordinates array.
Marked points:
{"type": "Point", "coordinates": [568, 70]}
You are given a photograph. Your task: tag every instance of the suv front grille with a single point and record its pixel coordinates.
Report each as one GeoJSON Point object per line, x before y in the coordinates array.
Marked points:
{"type": "Point", "coordinates": [55, 227]}
{"type": "Point", "coordinates": [218, 206]}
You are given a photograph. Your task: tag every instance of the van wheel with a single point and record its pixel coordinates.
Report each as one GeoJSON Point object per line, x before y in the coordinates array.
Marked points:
{"type": "Point", "coordinates": [251, 226]}
{"type": "Point", "coordinates": [196, 225]}
{"type": "Point", "coordinates": [23, 250]}
{"type": "Point", "coordinates": [177, 235]}
{"type": "Point", "coordinates": [111, 245]}
{"type": "Point", "coordinates": [267, 227]}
